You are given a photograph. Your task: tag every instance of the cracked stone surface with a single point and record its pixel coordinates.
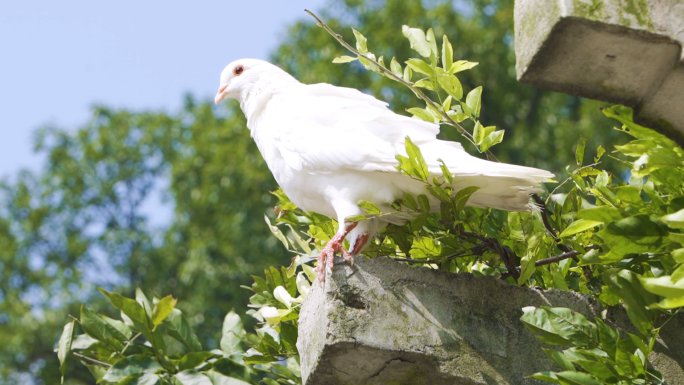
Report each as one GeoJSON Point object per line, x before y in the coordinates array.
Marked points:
{"type": "Point", "coordinates": [383, 322]}
{"type": "Point", "coordinates": [618, 51]}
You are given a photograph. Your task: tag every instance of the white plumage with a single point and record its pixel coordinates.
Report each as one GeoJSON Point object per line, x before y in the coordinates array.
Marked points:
{"type": "Point", "coordinates": [329, 147]}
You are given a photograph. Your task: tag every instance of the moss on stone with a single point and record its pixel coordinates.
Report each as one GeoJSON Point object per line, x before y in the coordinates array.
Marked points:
{"type": "Point", "coordinates": [638, 9]}
{"type": "Point", "coordinates": [593, 11]}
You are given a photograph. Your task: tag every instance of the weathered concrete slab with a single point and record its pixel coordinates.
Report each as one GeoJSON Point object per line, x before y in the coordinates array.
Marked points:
{"type": "Point", "coordinates": [618, 51]}
{"type": "Point", "coordinates": [382, 322]}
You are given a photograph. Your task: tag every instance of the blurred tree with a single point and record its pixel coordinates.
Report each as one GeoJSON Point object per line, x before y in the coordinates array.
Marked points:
{"type": "Point", "coordinates": [80, 225]}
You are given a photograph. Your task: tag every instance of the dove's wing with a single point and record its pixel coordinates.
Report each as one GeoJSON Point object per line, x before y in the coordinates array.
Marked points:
{"type": "Point", "coordinates": [323, 128]}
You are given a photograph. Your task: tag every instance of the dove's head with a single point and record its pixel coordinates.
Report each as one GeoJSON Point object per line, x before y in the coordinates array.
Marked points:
{"type": "Point", "coordinates": [240, 78]}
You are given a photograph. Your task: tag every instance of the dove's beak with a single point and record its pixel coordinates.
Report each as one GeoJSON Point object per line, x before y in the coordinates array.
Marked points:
{"type": "Point", "coordinates": [221, 95]}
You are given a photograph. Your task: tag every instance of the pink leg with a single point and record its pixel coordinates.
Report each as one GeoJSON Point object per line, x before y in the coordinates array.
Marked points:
{"type": "Point", "coordinates": [325, 258]}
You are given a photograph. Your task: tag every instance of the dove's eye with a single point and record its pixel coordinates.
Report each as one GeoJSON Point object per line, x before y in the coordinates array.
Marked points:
{"type": "Point", "coordinates": [238, 70]}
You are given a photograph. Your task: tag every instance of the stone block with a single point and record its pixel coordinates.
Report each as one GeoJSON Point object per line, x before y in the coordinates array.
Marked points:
{"type": "Point", "coordinates": [618, 51]}
{"type": "Point", "coordinates": [383, 322]}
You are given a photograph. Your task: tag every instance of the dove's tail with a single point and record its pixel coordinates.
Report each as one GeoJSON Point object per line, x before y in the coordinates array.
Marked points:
{"type": "Point", "coordinates": [502, 186]}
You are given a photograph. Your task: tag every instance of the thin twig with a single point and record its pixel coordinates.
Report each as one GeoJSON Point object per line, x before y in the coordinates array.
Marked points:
{"type": "Point", "coordinates": [547, 261]}
{"type": "Point", "coordinates": [92, 360]}
{"type": "Point", "coordinates": [130, 342]}
{"type": "Point", "coordinates": [401, 80]}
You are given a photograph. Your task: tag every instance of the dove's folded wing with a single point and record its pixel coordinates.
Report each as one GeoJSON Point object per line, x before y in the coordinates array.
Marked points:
{"type": "Point", "coordinates": [323, 128]}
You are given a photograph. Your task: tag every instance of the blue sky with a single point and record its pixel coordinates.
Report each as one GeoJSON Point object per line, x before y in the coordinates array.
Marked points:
{"type": "Point", "coordinates": [57, 58]}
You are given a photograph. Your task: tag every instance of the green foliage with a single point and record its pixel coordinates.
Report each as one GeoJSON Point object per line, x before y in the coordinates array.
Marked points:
{"type": "Point", "coordinates": [599, 354]}
{"type": "Point", "coordinates": [82, 224]}
{"type": "Point", "coordinates": [148, 346]}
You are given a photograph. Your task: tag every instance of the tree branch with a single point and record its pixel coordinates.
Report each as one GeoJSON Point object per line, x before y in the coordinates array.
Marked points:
{"type": "Point", "coordinates": [401, 80]}
{"type": "Point", "coordinates": [92, 360]}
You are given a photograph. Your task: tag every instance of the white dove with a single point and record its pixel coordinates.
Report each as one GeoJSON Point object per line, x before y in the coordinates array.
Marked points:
{"type": "Point", "coordinates": [329, 147]}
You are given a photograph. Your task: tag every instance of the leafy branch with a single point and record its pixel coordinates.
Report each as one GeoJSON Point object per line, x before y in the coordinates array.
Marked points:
{"type": "Point", "coordinates": [368, 59]}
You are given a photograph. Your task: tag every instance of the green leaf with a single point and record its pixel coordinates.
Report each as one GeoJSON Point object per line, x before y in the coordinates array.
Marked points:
{"type": "Point", "coordinates": [492, 139]}
{"type": "Point", "coordinates": [424, 247]}
{"type": "Point", "coordinates": [369, 207]}
{"type": "Point", "coordinates": [344, 59]}
{"type": "Point", "coordinates": [572, 326]}
{"type": "Point", "coordinates": [64, 346]}
{"type": "Point", "coordinates": [418, 40]}
{"type": "Point", "coordinates": [439, 193]}
{"type": "Point", "coordinates": [622, 361]}
{"type": "Point", "coordinates": [276, 231]}
{"type": "Point", "coordinates": [419, 167]}
{"type": "Point", "coordinates": [231, 334]}
{"type": "Point", "coordinates": [627, 285]}
{"type": "Point", "coordinates": [141, 298]}
{"type": "Point", "coordinates": [409, 201]}
{"type": "Point", "coordinates": [461, 65]}
{"type": "Point", "coordinates": [602, 370]}
{"type": "Point", "coordinates": [559, 359]}
{"type": "Point", "coordinates": [578, 226]}
{"type": "Point", "coordinates": [427, 84]}
{"type": "Point", "coordinates": [162, 309]}
{"type": "Point", "coordinates": [577, 378]}
{"type": "Point", "coordinates": [462, 196]}
{"type": "Point", "coordinates": [546, 376]}
{"type": "Point", "coordinates": [128, 306]}
{"type": "Point", "coordinates": [676, 220]}
{"type": "Point", "coordinates": [361, 42]}
{"type": "Point", "coordinates": [432, 41]}
{"type": "Point", "coordinates": [395, 67]}
{"type": "Point", "coordinates": [604, 214]}
{"type": "Point", "coordinates": [599, 153]}
{"type": "Point", "coordinates": [637, 234]}
{"type": "Point", "coordinates": [424, 203]}
{"type": "Point", "coordinates": [231, 369]}
{"type": "Point", "coordinates": [422, 114]}
{"type": "Point", "coordinates": [193, 359]}
{"type": "Point", "coordinates": [99, 329]}
{"type": "Point", "coordinates": [629, 194]}
{"type": "Point", "coordinates": [479, 132]}
{"type": "Point", "coordinates": [178, 327]}
{"type": "Point", "coordinates": [579, 152]}
{"type": "Point", "coordinates": [141, 379]}
{"type": "Point", "coordinates": [663, 286]}
{"type": "Point", "coordinates": [607, 338]}
{"type": "Point", "coordinates": [134, 364]}
{"type": "Point", "coordinates": [447, 54]}
{"type": "Point", "coordinates": [473, 101]}
{"type": "Point", "coordinates": [288, 335]}
{"type": "Point", "coordinates": [537, 321]}
{"type": "Point", "coordinates": [192, 377]}
{"type": "Point", "coordinates": [421, 66]}
{"type": "Point", "coordinates": [220, 379]}
{"type": "Point", "coordinates": [304, 245]}
{"type": "Point", "coordinates": [119, 325]}
{"type": "Point", "coordinates": [407, 73]}
{"type": "Point", "coordinates": [448, 176]}
{"type": "Point", "coordinates": [310, 272]}
{"type": "Point", "coordinates": [451, 85]}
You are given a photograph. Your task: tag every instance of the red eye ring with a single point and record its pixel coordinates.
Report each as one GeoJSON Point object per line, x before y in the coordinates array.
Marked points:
{"type": "Point", "coordinates": [238, 70]}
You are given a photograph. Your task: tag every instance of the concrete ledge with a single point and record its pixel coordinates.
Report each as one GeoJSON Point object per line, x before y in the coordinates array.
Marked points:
{"type": "Point", "coordinates": [383, 322]}
{"type": "Point", "coordinates": [618, 51]}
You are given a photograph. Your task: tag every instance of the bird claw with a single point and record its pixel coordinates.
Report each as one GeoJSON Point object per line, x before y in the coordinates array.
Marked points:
{"type": "Point", "coordinates": [327, 255]}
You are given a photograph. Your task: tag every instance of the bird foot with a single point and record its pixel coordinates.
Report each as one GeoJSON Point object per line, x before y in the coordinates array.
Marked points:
{"type": "Point", "coordinates": [327, 255]}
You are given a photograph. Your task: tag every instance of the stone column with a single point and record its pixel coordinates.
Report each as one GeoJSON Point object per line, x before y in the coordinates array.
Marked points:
{"type": "Point", "coordinates": [384, 322]}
